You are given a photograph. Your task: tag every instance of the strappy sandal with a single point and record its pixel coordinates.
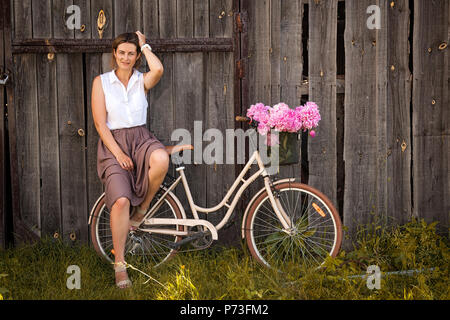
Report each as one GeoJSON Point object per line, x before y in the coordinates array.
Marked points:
{"type": "Point", "coordinates": [122, 267]}
{"type": "Point", "coordinates": [133, 223]}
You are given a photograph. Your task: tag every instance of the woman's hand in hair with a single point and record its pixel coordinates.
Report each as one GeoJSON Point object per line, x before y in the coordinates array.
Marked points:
{"type": "Point", "coordinates": [141, 38]}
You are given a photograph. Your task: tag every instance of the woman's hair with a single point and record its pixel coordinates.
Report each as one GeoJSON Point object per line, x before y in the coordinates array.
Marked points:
{"type": "Point", "coordinates": [128, 37]}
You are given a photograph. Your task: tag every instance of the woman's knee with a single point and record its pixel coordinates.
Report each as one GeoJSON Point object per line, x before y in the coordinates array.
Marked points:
{"type": "Point", "coordinates": [122, 203]}
{"type": "Point", "coordinates": [159, 159]}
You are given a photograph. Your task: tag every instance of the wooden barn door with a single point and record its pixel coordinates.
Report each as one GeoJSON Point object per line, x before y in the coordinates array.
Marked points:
{"type": "Point", "coordinates": [54, 140]}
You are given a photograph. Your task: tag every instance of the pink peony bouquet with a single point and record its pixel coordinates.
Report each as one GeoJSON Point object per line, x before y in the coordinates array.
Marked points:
{"type": "Point", "coordinates": [284, 119]}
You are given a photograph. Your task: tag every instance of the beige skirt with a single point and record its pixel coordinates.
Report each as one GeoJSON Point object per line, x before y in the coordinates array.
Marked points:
{"type": "Point", "coordinates": [137, 143]}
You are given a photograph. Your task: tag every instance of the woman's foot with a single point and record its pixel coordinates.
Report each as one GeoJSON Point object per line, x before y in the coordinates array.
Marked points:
{"type": "Point", "coordinates": [122, 280]}
{"type": "Point", "coordinates": [137, 214]}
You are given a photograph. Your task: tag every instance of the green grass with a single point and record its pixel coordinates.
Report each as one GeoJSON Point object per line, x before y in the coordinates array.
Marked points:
{"type": "Point", "coordinates": [39, 271]}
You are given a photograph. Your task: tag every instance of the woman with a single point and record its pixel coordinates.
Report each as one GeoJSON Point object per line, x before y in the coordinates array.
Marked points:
{"type": "Point", "coordinates": [131, 161]}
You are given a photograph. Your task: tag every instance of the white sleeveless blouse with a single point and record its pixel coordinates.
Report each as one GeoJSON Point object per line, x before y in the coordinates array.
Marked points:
{"type": "Point", "coordinates": [125, 107]}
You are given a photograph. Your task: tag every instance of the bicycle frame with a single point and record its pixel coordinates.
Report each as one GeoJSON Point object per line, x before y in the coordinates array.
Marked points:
{"type": "Point", "coordinates": [281, 214]}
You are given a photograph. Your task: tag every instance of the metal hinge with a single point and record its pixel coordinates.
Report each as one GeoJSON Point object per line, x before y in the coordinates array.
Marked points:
{"type": "Point", "coordinates": [241, 21]}
{"type": "Point", "coordinates": [240, 69]}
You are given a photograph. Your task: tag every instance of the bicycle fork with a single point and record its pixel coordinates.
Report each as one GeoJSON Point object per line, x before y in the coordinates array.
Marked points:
{"type": "Point", "coordinates": [277, 207]}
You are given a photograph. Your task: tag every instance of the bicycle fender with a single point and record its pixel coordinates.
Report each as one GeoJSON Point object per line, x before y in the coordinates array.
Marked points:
{"type": "Point", "coordinates": [253, 200]}
{"type": "Point", "coordinates": [93, 208]}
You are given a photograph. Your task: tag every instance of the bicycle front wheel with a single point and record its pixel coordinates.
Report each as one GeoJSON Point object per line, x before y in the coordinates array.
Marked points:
{"type": "Point", "coordinates": [150, 249]}
{"type": "Point", "coordinates": [315, 232]}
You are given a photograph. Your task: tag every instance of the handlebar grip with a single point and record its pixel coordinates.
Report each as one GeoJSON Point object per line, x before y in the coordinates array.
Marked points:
{"type": "Point", "coordinates": [242, 119]}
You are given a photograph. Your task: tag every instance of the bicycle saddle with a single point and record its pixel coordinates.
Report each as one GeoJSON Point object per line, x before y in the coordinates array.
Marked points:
{"type": "Point", "coordinates": [175, 149]}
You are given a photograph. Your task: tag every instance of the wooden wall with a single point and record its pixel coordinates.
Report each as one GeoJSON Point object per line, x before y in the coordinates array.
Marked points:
{"type": "Point", "coordinates": [382, 148]}
{"type": "Point", "coordinates": [57, 165]}
{"type": "Point", "coordinates": [381, 151]}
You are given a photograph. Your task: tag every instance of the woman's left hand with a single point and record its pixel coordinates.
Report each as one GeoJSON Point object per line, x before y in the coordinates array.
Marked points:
{"type": "Point", "coordinates": [141, 38]}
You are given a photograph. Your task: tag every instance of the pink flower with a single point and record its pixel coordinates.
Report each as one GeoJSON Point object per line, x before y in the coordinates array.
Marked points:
{"type": "Point", "coordinates": [312, 133]}
{"type": "Point", "coordinates": [309, 115]}
{"type": "Point", "coordinates": [284, 119]}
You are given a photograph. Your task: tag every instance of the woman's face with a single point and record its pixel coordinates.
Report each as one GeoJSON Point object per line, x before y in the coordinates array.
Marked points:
{"type": "Point", "coordinates": [126, 56]}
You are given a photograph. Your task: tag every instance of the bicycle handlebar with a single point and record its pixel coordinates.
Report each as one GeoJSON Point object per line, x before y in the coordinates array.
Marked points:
{"type": "Point", "coordinates": [242, 119]}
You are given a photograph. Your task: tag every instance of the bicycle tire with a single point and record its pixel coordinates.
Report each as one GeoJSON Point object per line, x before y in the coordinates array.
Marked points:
{"type": "Point", "coordinates": [266, 248]}
{"type": "Point", "coordinates": [101, 238]}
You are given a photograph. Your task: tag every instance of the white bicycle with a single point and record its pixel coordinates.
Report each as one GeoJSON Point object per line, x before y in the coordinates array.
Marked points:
{"type": "Point", "coordinates": [284, 222]}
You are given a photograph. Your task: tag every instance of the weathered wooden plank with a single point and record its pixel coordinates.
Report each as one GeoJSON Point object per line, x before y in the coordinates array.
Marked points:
{"type": "Point", "coordinates": [72, 145]}
{"type": "Point", "coordinates": [42, 19]}
{"type": "Point", "coordinates": [157, 23]}
{"type": "Point", "coordinates": [201, 19]}
{"type": "Point", "coordinates": [185, 19]}
{"type": "Point", "coordinates": [25, 93]}
{"type": "Point", "coordinates": [221, 18]}
{"type": "Point", "coordinates": [150, 18]}
{"type": "Point", "coordinates": [107, 7]}
{"type": "Point", "coordinates": [360, 137]}
{"type": "Point", "coordinates": [431, 115]}
{"type": "Point", "coordinates": [22, 19]}
{"type": "Point", "coordinates": [220, 117]}
{"type": "Point", "coordinates": [167, 19]}
{"type": "Point", "coordinates": [256, 87]}
{"type": "Point", "coordinates": [190, 106]}
{"type": "Point", "coordinates": [60, 16]}
{"type": "Point", "coordinates": [190, 102]}
{"type": "Point", "coordinates": [3, 146]}
{"type": "Point", "coordinates": [127, 16]}
{"type": "Point", "coordinates": [85, 19]}
{"type": "Point", "coordinates": [50, 197]}
{"type": "Point", "coordinates": [396, 96]}
{"type": "Point", "coordinates": [286, 62]}
{"type": "Point", "coordinates": [93, 67]}
{"type": "Point", "coordinates": [322, 152]}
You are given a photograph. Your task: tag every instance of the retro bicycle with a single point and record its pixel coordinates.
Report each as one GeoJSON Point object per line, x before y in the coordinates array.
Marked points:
{"type": "Point", "coordinates": [284, 222]}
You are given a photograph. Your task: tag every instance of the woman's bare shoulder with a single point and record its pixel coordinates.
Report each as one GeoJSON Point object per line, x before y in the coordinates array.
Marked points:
{"type": "Point", "coordinates": [97, 82]}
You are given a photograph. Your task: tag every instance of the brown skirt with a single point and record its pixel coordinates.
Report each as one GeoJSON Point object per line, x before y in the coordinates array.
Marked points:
{"type": "Point", "coordinates": [137, 143]}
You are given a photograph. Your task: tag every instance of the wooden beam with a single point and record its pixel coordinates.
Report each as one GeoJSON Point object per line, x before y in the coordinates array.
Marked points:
{"type": "Point", "coordinates": [103, 45]}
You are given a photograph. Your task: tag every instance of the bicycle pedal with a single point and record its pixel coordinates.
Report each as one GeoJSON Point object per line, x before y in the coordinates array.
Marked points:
{"type": "Point", "coordinates": [194, 236]}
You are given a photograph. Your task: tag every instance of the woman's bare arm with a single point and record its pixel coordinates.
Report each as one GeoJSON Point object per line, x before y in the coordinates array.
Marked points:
{"type": "Point", "coordinates": [99, 115]}
{"type": "Point", "coordinates": [152, 77]}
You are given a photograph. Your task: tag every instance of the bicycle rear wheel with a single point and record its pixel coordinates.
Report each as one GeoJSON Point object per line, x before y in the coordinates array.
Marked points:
{"type": "Point", "coordinates": [150, 249]}
{"type": "Point", "coordinates": [316, 230]}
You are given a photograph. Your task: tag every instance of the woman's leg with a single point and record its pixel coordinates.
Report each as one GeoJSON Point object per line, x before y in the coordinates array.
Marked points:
{"type": "Point", "coordinates": [159, 164]}
{"type": "Point", "coordinates": [119, 221]}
